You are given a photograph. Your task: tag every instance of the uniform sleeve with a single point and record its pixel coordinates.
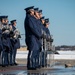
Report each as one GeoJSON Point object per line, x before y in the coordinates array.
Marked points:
{"type": "Point", "coordinates": [0, 31]}
{"type": "Point", "coordinates": [34, 28]}
{"type": "Point", "coordinates": [48, 31]}
{"type": "Point", "coordinates": [48, 34]}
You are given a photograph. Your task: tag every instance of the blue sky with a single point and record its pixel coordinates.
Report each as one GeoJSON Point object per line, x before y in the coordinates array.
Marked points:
{"type": "Point", "coordinates": [60, 12]}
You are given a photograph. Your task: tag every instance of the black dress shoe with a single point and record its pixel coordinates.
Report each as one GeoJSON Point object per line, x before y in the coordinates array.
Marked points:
{"type": "Point", "coordinates": [39, 67]}
{"type": "Point", "coordinates": [0, 64]}
{"type": "Point", "coordinates": [15, 64]}
{"type": "Point", "coordinates": [28, 68]}
{"type": "Point", "coordinates": [11, 64]}
{"type": "Point", "coordinates": [3, 66]}
{"type": "Point", "coordinates": [31, 68]}
{"type": "Point", "coordinates": [43, 66]}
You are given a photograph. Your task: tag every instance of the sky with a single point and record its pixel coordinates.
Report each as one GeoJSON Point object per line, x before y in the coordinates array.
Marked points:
{"type": "Point", "coordinates": [61, 14]}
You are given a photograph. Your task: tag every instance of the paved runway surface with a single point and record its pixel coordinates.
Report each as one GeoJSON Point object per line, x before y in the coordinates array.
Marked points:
{"type": "Point", "coordinates": [22, 70]}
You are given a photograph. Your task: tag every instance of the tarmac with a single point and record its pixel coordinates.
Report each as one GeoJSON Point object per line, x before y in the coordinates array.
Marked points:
{"type": "Point", "coordinates": [21, 69]}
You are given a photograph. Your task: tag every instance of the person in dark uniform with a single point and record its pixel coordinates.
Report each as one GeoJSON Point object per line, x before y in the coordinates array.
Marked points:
{"type": "Point", "coordinates": [36, 15]}
{"type": "Point", "coordinates": [29, 11]}
{"type": "Point", "coordinates": [1, 45]}
{"type": "Point", "coordinates": [43, 40]}
{"type": "Point", "coordinates": [48, 38]}
{"type": "Point", "coordinates": [11, 51]}
{"type": "Point", "coordinates": [32, 36]}
{"type": "Point", "coordinates": [42, 49]}
{"type": "Point", "coordinates": [15, 35]}
{"type": "Point", "coordinates": [5, 41]}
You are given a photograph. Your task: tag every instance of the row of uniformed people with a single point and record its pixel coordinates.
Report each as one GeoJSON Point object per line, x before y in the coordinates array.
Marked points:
{"type": "Point", "coordinates": [9, 41]}
{"type": "Point", "coordinates": [37, 33]}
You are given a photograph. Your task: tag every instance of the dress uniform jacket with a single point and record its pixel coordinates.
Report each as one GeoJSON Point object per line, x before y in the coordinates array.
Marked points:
{"type": "Point", "coordinates": [1, 46]}
{"type": "Point", "coordinates": [15, 42]}
{"type": "Point", "coordinates": [5, 38]}
{"type": "Point", "coordinates": [33, 33]}
{"type": "Point", "coordinates": [47, 32]}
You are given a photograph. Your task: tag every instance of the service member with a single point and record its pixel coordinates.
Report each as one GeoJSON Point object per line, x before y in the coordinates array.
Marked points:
{"type": "Point", "coordinates": [32, 35]}
{"type": "Point", "coordinates": [15, 35]}
{"type": "Point", "coordinates": [5, 41]}
{"type": "Point", "coordinates": [1, 45]}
